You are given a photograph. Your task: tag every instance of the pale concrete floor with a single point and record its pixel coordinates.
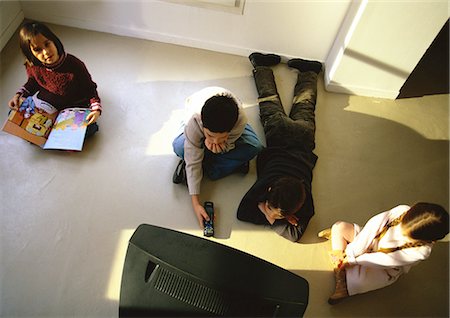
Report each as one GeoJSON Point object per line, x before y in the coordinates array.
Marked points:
{"type": "Point", "coordinates": [66, 217]}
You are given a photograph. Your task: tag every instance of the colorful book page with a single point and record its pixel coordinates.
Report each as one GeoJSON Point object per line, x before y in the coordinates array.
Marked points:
{"type": "Point", "coordinates": [69, 130]}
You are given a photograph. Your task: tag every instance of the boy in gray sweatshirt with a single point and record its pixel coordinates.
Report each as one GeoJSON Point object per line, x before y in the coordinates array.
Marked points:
{"type": "Point", "coordinates": [217, 141]}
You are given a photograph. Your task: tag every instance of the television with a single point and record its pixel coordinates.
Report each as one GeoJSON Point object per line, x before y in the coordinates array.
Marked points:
{"type": "Point", "coordinates": [168, 273]}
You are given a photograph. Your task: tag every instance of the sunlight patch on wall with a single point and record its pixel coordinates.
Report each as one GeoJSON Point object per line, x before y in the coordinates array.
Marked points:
{"type": "Point", "coordinates": [428, 115]}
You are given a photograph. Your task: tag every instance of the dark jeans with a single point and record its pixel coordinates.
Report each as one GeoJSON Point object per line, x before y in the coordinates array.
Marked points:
{"type": "Point", "coordinates": [297, 129]}
{"type": "Point", "coordinates": [91, 130]}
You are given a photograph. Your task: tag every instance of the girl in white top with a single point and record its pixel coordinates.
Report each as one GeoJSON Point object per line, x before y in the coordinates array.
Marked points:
{"type": "Point", "coordinates": [387, 246]}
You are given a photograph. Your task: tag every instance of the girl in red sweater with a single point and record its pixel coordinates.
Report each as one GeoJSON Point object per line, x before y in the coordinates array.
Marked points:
{"type": "Point", "coordinates": [58, 78]}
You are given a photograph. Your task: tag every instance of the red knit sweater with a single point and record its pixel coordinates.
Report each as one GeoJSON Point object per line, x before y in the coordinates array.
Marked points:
{"type": "Point", "coordinates": [65, 84]}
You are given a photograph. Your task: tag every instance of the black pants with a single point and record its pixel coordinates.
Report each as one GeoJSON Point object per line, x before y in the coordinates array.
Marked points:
{"type": "Point", "coordinates": [297, 129]}
{"type": "Point", "coordinates": [91, 130]}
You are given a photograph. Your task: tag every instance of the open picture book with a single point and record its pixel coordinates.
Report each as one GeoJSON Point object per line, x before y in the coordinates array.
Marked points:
{"type": "Point", "coordinates": [42, 124]}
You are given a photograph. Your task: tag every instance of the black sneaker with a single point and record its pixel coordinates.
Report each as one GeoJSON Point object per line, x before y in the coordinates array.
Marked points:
{"type": "Point", "coordinates": [179, 176]}
{"type": "Point", "coordinates": [259, 59]}
{"type": "Point", "coordinates": [305, 65]}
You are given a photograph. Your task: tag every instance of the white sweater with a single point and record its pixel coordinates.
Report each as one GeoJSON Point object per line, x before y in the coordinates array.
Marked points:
{"type": "Point", "coordinates": [373, 270]}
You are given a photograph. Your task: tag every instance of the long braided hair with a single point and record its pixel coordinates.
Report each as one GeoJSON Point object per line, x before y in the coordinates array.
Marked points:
{"type": "Point", "coordinates": [426, 222]}
{"type": "Point", "coordinates": [423, 222]}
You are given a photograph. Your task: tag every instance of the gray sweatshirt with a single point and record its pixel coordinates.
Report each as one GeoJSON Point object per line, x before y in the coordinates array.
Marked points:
{"type": "Point", "coordinates": [194, 144]}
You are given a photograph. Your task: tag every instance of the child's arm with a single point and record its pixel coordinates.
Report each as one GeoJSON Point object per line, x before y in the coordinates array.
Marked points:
{"type": "Point", "coordinates": [88, 89]}
{"type": "Point", "coordinates": [294, 226]}
{"type": "Point", "coordinates": [293, 232]}
{"type": "Point", "coordinates": [248, 210]}
{"type": "Point", "coordinates": [288, 231]}
{"type": "Point", "coordinates": [404, 257]}
{"type": "Point", "coordinates": [31, 86]}
{"type": "Point", "coordinates": [193, 155]}
{"type": "Point", "coordinates": [365, 239]}
{"type": "Point", "coordinates": [14, 103]}
{"type": "Point", "coordinates": [28, 89]}
{"type": "Point", "coordinates": [199, 210]}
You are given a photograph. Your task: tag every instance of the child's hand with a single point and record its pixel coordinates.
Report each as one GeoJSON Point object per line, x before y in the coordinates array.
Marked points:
{"type": "Point", "coordinates": [199, 210]}
{"type": "Point", "coordinates": [218, 148]}
{"type": "Point", "coordinates": [214, 148]}
{"type": "Point", "coordinates": [201, 214]}
{"type": "Point", "coordinates": [92, 117]}
{"type": "Point", "coordinates": [14, 103]}
{"type": "Point", "coordinates": [292, 219]}
{"type": "Point", "coordinates": [262, 208]}
{"type": "Point", "coordinates": [338, 258]}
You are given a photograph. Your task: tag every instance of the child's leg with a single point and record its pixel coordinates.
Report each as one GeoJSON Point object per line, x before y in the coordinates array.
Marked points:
{"type": "Point", "coordinates": [304, 104]}
{"type": "Point", "coordinates": [91, 130]}
{"type": "Point", "coordinates": [178, 145]}
{"type": "Point", "coordinates": [271, 110]}
{"type": "Point", "coordinates": [217, 166]}
{"type": "Point", "coordinates": [305, 95]}
{"type": "Point", "coordinates": [268, 97]}
{"type": "Point", "coordinates": [342, 233]}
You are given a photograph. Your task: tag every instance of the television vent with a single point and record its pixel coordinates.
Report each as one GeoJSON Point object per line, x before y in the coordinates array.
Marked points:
{"type": "Point", "coordinates": [190, 292]}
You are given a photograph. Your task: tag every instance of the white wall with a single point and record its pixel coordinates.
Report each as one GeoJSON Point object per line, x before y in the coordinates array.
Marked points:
{"type": "Point", "coordinates": [290, 28]}
{"type": "Point", "coordinates": [379, 45]}
{"type": "Point", "coordinates": [369, 46]}
{"type": "Point", "coordinates": [11, 16]}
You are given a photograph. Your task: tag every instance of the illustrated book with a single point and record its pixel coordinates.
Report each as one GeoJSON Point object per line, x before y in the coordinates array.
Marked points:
{"type": "Point", "coordinates": [42, 124]}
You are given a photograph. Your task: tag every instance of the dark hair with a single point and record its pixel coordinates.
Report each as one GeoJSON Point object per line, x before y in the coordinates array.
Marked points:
{"type": "Point", "coordinates": [426, 222]}
{"type": "Point", "coordinates": [288, 194]}
{"type": "Point", "coordinates": [220, 113]}
{"type": "Point", "coordinates": [28, 32]}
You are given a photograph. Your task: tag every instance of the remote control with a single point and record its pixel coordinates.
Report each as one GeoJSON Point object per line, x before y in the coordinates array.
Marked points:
{"type": "Point", "coordinates": [208, 229]}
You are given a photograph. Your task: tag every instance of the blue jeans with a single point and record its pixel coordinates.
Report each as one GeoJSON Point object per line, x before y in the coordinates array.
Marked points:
{"type": "Point", "coordinates": [219, 165]}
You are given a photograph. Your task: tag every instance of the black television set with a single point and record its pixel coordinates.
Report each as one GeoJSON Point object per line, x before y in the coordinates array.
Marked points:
{"type": "Point", "coordinates": [168, 273]}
